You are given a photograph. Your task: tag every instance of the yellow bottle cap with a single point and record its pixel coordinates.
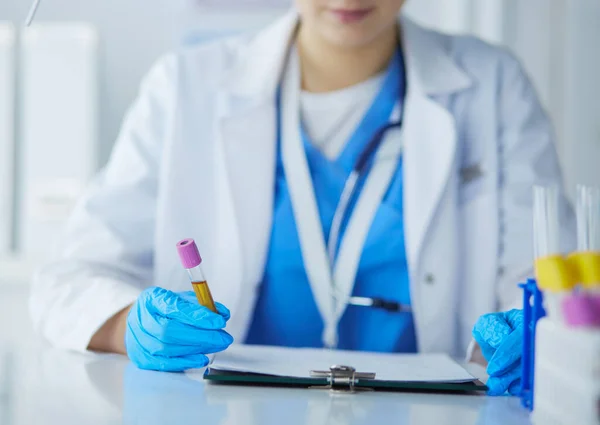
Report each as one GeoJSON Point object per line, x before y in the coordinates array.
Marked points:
{"type": "Point", "coordinates": [587, 266]}
{"type": "Point", "coordinates": [555, 274]}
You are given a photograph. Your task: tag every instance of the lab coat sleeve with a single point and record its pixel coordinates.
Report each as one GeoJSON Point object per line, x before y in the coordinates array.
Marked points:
{"type": "Point", "coordinates": [106, 256]}
{"type": "Point", "coordinates": [528, 157]}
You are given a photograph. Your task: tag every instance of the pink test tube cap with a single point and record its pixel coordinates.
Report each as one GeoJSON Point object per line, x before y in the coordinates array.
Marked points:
{"type": "Point", "coordinates": [582, 310]}
{"type": "Point", "coordinates": [188, 253]}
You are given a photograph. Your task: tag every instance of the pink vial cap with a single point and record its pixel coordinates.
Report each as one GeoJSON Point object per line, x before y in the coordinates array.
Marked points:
{"type": "Point", "coordinates": [188, 253]}
{"type": "Point", "coordinates": [582, 310]}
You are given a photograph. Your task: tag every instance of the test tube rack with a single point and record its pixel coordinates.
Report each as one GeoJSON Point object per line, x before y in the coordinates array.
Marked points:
{"type": "Point", "coordinates": [533, 310]}
{"type": "Point", "coordinates": [560, 366]}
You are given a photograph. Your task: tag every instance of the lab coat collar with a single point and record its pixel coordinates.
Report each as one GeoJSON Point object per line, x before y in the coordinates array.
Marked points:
{"type": "Point", "coordinates": [259, 67]}
{"type": "Point", "coordinates": [258, 70]}
{"type": "Point", "coordinates": [428, 61]}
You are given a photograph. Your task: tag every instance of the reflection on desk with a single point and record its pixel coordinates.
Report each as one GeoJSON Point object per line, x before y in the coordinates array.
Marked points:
{"type": "Point", "coordinates": [53, 387]}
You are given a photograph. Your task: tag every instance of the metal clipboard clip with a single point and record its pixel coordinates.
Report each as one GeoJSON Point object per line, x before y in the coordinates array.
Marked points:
{"type": "Point", "coordinates": [342, 378]}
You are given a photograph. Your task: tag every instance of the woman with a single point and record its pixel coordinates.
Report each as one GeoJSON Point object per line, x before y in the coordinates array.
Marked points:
{"type": "Point", "coordinates": [246, 145]}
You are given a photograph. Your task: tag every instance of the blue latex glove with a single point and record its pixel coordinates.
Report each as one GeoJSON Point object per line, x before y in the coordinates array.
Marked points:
{"type": "Point", "coordinates": [170, 331]}
{"type": "Point", "coordinates": [500, 336]}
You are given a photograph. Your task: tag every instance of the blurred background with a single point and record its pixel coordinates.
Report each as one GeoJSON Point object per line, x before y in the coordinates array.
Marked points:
{"type": "Point", "coordinates": [66, 83]}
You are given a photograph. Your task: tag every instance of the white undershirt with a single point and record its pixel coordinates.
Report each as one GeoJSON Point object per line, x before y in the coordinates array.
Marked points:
{"type": "Point", "coordinates": [331, 118]}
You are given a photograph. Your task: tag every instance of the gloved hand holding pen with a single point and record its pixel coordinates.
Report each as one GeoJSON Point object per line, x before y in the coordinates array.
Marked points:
{"type": "Point", "coordinates": [500, 336]}
{"type": "Point", "coordinates": [172, 332]}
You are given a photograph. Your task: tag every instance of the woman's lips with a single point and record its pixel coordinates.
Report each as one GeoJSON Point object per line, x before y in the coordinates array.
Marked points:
{"type": "Point", "coordinates": [351, 16]}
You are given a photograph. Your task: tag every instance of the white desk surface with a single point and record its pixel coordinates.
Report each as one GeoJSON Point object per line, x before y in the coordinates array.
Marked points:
{"type": "Point", "coordinates": [39, 385]}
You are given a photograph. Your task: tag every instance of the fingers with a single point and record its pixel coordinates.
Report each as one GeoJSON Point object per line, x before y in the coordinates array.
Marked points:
{"type": "Point", "coordinates": [143, 359]}
{"type": "Point", "coordinates": [165, 336]}
{"type": "Point", "coordinates": [489, 332]}
{"type": "Point", "coordinates": [223, 311]}
{"type": "Point", "coordinates": [171, 364]}
{"type": "Point", "coordinates": [515, 387]}
{"type": "Point", "coordinates": [173, 306]}
{"type": "Point", "coordinates": [190, 296]}
{"type": "Point", "coordinates": [498, 385]}
{"type": "Point", "coordinates": [515, 318]}
{"type": "Point", "coordinates": [486, 350]}
{"type": "Point", "coordinates": [492, 328]}
{"type": "Point", "coordinates": [508, 354]}
{"type": "Point", "coordinates": [179, 364]}
{"type": "Point", "coordinates": [171, 331]}
{"type": "Point", "coordinates": [162, 336]}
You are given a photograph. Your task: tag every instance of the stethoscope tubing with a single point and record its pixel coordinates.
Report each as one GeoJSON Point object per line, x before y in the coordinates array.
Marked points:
{"type": "Point", "coordinates": [350, 187]}
{"type": "Point", "coordinates": [348, 193]}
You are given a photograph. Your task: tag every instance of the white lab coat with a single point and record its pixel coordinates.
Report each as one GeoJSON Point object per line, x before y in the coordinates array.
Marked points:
{"type": "Point", "coordinates": [196, 158]}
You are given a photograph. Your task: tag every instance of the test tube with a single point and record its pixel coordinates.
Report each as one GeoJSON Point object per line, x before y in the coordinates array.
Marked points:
{"type": "Point", "coordinates": [545, 221]}
{"type": "Point", "coordinates": [191, 261]}
{"type": "Point", "coordinates": [588, 236]}
{"type": "Point", "coordinates": [588, 219]}
{"type": "Point", "coordinates": [582, 308]}
{"type": "Point", "coordinates": [551, 269]}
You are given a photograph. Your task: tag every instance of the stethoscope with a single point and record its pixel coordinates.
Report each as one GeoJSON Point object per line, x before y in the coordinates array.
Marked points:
{"type": "Point", "coordinates": [349, 191]}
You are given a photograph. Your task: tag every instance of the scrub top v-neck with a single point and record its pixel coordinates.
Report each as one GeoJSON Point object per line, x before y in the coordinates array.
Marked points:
{"type": "Point", "coordinates": [286, 313]}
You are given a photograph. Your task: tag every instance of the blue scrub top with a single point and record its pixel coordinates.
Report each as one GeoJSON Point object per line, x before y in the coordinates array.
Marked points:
{"type": "Point", "coordinates": [286, 313]}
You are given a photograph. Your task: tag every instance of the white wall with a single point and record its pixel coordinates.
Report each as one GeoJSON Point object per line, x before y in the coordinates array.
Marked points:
{"type": "Point", "coordinates": [445, 15]}
{"type": "Point", "coordinates": [133, 34]}
{"type": "Point", "coordinates": [557, 41]}
{"type": "Point", "coordinates": [581, 134]}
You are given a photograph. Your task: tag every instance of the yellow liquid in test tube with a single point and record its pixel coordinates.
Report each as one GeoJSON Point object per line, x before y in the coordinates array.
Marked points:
{"type": "Point", "coordinates": [204, 296]}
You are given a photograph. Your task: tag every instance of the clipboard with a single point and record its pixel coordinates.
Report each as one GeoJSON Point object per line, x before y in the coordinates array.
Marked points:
{"type": "Point", "coordinates": [340, 379]}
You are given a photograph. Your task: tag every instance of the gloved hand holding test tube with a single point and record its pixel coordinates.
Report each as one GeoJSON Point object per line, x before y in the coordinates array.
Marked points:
{"type": "Point", "coordinates": [175, 331]}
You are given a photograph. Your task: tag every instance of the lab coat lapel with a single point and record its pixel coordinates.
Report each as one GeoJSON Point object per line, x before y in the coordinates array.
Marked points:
{"type": "Point", "coordinates": [246, 166]}
{"type": "Point", "coordinates": [246, 147]}
{"type": "Point", "coordinates": [430, 136]}
{"type": "Point", "coordinates": [430, 145]}
{"type": "Point", "coordinates": [249, 146]}
{"type": "Point", "coordinates": [304, 202]}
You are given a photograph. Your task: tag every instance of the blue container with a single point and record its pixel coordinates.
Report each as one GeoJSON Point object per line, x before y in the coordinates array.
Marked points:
{"type": "Point", "coordinates": [533, 310]}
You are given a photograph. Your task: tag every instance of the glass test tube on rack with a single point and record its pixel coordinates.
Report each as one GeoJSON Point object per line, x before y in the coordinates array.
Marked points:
{"type": "Point", "coordinates": [581, 308]}
{"type": "Point", "coordinates": [551, 268]}
{"type": "Point", "coordinates": [588, 237]}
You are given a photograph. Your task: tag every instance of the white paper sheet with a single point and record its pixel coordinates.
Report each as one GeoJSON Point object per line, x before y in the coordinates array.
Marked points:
{"type": "Point", "coordinates": [298, 363]}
